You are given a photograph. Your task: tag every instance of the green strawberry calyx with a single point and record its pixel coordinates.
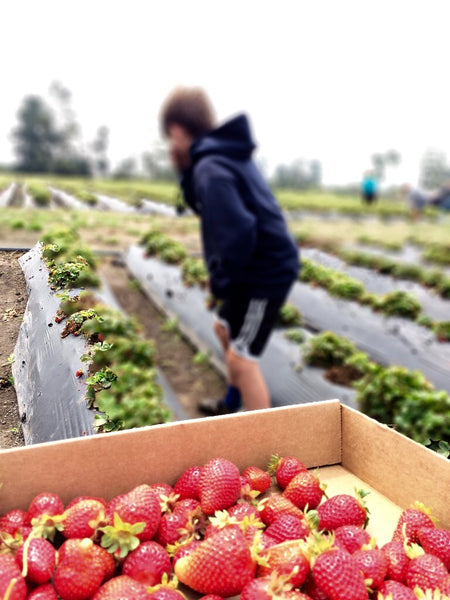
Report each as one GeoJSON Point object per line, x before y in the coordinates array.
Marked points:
{"type": "Point", "coordinates": [121, 536]}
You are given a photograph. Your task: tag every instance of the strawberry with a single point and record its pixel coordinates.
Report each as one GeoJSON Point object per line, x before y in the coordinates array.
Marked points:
{"type": "Point", "coordinates": [187, 506]}
{"type": "Point", "coordinates": [436, 541]}
{"type": "Point", "coordinates": [161, 489]}
{"type": "Point", "coordinates": [12, 584]}
{"type": "Point", "coordinates": [425, 572]}
{"type": "Point", "coordinates": [81, 498]}
{"type": "Point", "coordinates": [444, 585]}
{"type": "Point", "coordinates": [288, 527]}
{"type": "Point", "coordinates": [243, 509]}
{"type": "Point", "coordinates": [79, 573]}
{"type": "Point", "coordinates": [43, 592]}
{"type": "Point", "coordinates": [397, 559]}
{"type": "Point", "coordinates": [219, 485]}
{"type": "Point", "coordinates": [121, 587]}
{"type": "Point", "coordinates": [312, 590]}
{"type": "Point", "coordinates": [40, 560]}
{"type": "Point", "coordinates": [13, 520]}
{"type": "Point", "coordinates": [147, 563]}
{"type": "Point", "coordinates": [337, 575]}
{"type": "Point", "coordinates": [259, 480]}
{"type": "Point", "coordinates": [342, 509]}
{"type": "Point", "coordinates": [351, 538]}
{"type": "Point", "coordinates": [288, 560]}
{"type": "Point", "coordinates": [82, 519]}
{"type": "Point", "coordinates": [210, 597]}
{"type": "Point", "coordinates": [166, 592]}
{"type": "Point", "coordinates": [285, 468]}
{"type": "Point", "coordinates": [272, 507]}
{"type": "Point", "coordinates": [304, 489]}
{"type": "Point", "coordinates": [410, 521]}
{"type": "Point", "coordinates": [373, 565]}
{"type": "Point", "coordinates": [140, 505]}
{"type": "Point", "coordinates": [271, 588]}
{"type": "Point", "coordinates": [221, 564]}
{"type": "Point", "coordinates": [46, 503]}
{"type": "Point", "coordinates": [79, 373]}
{"type": "Point", "coordinates": [394, 590]}
{"type": "Point", "coordinates": [170, 528]}
{"type": "Point", "coordinates": [186, 485]}
{"type": "Point", "coordinates": [180, 550]}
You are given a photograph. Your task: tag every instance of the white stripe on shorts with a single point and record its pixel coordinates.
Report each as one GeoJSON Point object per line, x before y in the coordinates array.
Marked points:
{"type": "Point", "coordinates": [249, 330]}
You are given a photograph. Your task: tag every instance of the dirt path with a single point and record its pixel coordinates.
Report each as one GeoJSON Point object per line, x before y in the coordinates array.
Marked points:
{"type": "Point", "coordinates": [12, 306]}
{"type": "Point", "coordinates": [190, 380]}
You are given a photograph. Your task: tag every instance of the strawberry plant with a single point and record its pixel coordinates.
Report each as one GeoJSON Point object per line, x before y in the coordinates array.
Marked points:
{"type": "Point", "coordinates": [399, 303]}
{"type": "Point", "coordinates": [327, 349]}
{"type": "Point", "coordinates": [72, 274]}
{"type": "Point", "coordinates": [289, 315]}
{"type": "Point", "coordinates": [442, 331]}
{"type": "Point", "coordinates": [194, 272]}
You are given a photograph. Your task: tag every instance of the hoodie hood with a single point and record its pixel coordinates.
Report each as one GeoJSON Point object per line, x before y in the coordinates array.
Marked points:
{"type": "Point", "coordinates": [232, 139]}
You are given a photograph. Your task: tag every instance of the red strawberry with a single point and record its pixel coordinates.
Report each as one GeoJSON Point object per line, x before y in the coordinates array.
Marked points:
{"type": "Point", "coordinates": [40, 560]}
{"type": "Point", "coordinates": [398, 560]}
{"type": "Point", "coordinates": [147, 563]}
{"type": "Point", "coordinates": [288, 527]}
{"type": "Point", "coordinates": [219, 485]}
{"type": "Point", "coordinates": [313, 591]}
{"type": "Point", "coordinates": [285, 468]}
{"type": "Point", "coordinates": [336, 575]}
{"type": "Point", "coordinates": [271, 588]}
{"type": "Point", "coordinates": [79, 573]}
{"type": "Point", "coordinates": [351, 538]}
{"type": "Point", "coordinates": [287, 559]}
{"type": "Point", "coordinates": [140, 505]}
{"type": "Point", "coordinates": [210, 597]}
{"type": "Point", "coordinates": [436, 541]}
{"type": "Point", "coordinates": [272, 507]}
{"type": "Point", "coordinates": [222, 564]}
{"type": "Point", "coordinates": [13, 520]}
{"type": "Point", "coordinates": [341, 509]}
{"type": "Point", "coordinates": [259, 480]}
{"type": "Point", "coordinates": [82, 519]}
{"type": "Point", "coordinates": [444, 585]}
{"type": "Point", "coordinates": [166, 592]}
{"type": "Point", "coordinates": [81, 498]}
{"type": "Point", "coordinates": [46, 503]}
{"type": "Point", "coordinates": [121, 587]}
{"type": "Point", "coordinates": [394, 590]}
{"type": "Point", "coordinates": [43, 592]}
{"type": "Point", "coordinates": [161, 489]}
{"type": "Point", "coordinates": [184, 549]}
{"type": "Point", "coordinates": [187, 484]}
{"type": "Point", "coordinates": [170, 528]}
{"type": "Point", "coordinates": [425, 572]}
{"type": "Point", "coordinates": [243, 509]}
{"type": "Point", "coordinates": [187, 506]}
{"type": "Point", "coordinates": [12, 584]}
{"type": "Point", "coordinates": [79, 373]}
{"type": "Point", "coordinates": [373, 565]}
{"type": "Point", "coordinates": [410, 521]}
{"type": "Point", "coordinates": [304, 489]}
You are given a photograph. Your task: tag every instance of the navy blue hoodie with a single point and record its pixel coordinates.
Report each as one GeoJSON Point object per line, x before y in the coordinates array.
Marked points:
{"type": "Point", "coordinates": [246, 243]}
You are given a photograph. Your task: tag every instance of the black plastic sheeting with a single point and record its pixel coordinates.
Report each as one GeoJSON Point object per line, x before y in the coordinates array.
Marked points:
{"type": "Point", "coordinates": [432, 304]}
{"type": "Point", "coordinates": [50, 397]}
{"type": "Point", "coordinates": [287, 385]}
{"type": "Point", "coordinates": [387, 340]}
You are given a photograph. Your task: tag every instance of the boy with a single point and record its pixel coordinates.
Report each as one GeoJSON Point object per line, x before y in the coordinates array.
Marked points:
{"type": "Point", "coordinates": [251, 258]}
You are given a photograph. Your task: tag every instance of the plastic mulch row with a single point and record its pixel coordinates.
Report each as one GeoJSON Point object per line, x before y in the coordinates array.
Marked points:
{"type": "Point", "coordinates": [49, 395]}
{"type": "Point", "coordinates": [287, 385]}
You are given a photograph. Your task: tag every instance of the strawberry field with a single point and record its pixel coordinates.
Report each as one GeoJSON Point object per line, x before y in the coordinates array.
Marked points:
{"type": "Point", "coordinates": [368, 321]}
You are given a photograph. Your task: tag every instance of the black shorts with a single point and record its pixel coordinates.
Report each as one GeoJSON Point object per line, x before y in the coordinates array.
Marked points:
{"type": "Point", "coordinates": [249, 322]}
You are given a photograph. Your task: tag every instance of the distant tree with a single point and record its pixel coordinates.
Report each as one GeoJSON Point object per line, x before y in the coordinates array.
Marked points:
{"type": "Point", "coordinates": [382, 160]}
{"type": "Point", "coordinates": [300, 174]}
{"type": "Point", "coordinates": [156, 164]}
{"type": "Point", "coordinates": [434, 169]}
{"type": "Point", "coordinates": [126, 169]}
{"type": "Point", "coordinates": [36, 137]}
{"type": "Point", "coordinates": [99, 149]}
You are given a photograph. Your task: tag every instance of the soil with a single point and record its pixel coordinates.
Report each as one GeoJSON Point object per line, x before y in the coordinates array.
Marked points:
{"type": "Point", "coordinates": [12, 306]}
{"type": "Point", "coordinates": [190, 379]}
{"type": "Point", "coordinates": [343, 375]}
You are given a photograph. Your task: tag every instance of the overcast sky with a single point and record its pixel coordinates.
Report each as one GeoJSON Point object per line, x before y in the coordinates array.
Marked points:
{"type": "Point", "coordinates": [334, 80]}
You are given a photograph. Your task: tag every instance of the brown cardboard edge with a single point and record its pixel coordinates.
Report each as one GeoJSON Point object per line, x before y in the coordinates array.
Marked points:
{"type": "Point", "coordinates": [399, 468]}
{"type": "Point", "coordinates": [113, 463]}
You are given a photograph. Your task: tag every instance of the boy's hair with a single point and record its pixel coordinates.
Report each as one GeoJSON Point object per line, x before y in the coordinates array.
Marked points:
{"type": "Point", "coordinates": [190, 108]}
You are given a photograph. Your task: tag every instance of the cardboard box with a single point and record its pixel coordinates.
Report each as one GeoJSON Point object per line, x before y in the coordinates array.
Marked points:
{"type": "Point", "coordinates": [349, 448]}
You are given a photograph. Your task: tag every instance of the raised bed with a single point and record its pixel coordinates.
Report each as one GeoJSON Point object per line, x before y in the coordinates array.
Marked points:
{"type": "Point", "coordinates": [279, 362]}
{"type": "Point", "coordinates": [50, 397]}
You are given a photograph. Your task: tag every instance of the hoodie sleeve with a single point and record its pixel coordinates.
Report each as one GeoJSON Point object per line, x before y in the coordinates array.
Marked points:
{"type": "Point", "coordinates": [228, 229]}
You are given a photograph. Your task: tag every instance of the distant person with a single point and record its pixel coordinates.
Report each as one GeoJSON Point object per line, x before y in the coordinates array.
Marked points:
{"type": "Point", "coordinates": [416, 200]}
{"type": "Point", "coordinates": [251, 258]}
{"type": "Point", "coordinates": [441, 199]}
{"type": "Point", "coordinates": [369, 188]}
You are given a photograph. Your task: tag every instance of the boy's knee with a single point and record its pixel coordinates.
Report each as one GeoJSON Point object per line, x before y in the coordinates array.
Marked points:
{"type": "Point", "coordinates": [239, 365]}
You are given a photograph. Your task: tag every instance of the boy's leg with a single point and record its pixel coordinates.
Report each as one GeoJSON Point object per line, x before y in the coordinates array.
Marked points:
{"type": "Point", "coordinates": [247, 377]}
